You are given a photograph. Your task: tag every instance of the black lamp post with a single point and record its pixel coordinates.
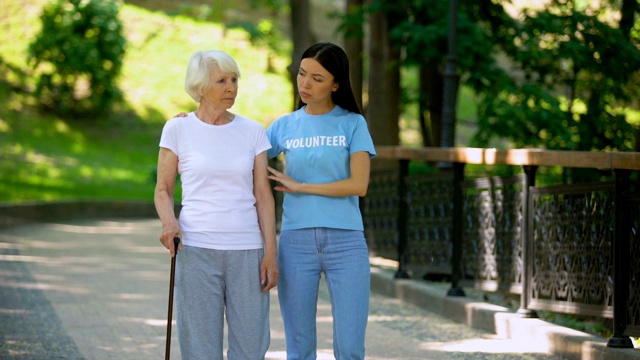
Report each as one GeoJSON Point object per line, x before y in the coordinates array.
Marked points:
{"type": "Point", "coordinates": [451, 80]}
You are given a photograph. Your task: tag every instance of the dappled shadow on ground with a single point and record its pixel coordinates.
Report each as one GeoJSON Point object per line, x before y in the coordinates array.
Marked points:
{"type": "Point", "coordinates": [108, 279]}
{"type": "Point", "coordinates": [30, 327]}
{"type": "Point", "coordinates": [101, 293]}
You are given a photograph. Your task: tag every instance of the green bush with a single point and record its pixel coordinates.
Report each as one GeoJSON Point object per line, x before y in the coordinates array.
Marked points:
{"type": "Point", "coordinates": [78, 56]}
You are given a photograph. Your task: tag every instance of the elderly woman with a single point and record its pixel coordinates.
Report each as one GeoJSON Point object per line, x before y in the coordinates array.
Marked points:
{"type": "Point", "coordinates": [228, 259]}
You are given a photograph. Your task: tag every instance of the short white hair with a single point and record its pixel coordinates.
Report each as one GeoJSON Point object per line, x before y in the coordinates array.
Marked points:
{"type": "Point", "coordinates": [199, 70]}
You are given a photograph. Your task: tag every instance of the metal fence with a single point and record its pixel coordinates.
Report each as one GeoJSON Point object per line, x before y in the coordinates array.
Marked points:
{"type": "Point", "coordinates": [567, 248]}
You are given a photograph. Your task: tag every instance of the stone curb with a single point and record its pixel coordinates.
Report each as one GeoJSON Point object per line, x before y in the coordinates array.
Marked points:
{"type": "Point", "coordinates": [568, 343]}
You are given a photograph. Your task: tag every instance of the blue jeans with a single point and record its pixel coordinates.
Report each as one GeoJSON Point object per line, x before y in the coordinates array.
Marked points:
{"type": "Point", "coordinates": [343, 256]}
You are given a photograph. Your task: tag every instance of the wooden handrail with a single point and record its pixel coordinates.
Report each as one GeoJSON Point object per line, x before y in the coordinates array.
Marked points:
{"type": "Point", "coordinates": [538, 157]}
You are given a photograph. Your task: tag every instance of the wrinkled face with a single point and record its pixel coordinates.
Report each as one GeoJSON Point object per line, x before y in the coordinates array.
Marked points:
{"type": "Point", "coordinates": [315, 83]}
{"type": "Point", "coordinates": [222, 89]}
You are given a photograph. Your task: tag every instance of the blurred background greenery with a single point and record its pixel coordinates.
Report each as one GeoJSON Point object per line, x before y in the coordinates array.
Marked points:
{"type": "Point", "coordinates": [48, 156]}
{"type": "Point", "coordinates": [554, 74]}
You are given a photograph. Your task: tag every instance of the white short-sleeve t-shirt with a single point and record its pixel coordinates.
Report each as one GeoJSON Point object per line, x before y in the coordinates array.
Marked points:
{"type": "Point", "coordinates": [215, 163]}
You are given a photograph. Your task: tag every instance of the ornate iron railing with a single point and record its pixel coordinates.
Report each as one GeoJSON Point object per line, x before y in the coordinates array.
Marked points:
{"type": "Point", "coordinates": [492, 252]}
{"type": "Point", "coordinates": [429, 199]}
{"type": "Point", "coordinates": [572, 257]}
{"type": "Point", "coordinates": [563, 248]}
{"type": "Point", "coordinates": [380, 214]}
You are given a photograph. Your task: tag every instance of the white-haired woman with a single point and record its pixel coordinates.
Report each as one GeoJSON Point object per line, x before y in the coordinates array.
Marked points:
{"type": "Point", "coordinates": [228, 260]}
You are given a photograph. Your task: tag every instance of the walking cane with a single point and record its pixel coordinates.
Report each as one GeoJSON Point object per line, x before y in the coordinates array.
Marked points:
{"type": "Point", "coordinates": [176, 241]}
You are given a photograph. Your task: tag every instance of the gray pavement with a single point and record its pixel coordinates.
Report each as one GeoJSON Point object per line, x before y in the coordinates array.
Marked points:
{"type": "Point", "coordinates": [98, 289]}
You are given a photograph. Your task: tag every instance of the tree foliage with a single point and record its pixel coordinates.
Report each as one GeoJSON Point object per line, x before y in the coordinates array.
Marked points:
{"type": "Point", "coordinates": [265, 32]}
{"type": "Point", "coordinates": [563, 77]}
{"type": "Point", "coordinates": [575, 88]}
{"type": "Point", "coordinates": [78, 56]}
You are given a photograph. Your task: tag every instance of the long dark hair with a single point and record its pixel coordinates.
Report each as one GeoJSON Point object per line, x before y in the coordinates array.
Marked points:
{"type": "Point", "coordinates": [336, 62]}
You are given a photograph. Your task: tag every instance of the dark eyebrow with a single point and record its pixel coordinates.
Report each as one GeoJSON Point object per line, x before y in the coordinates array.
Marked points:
{"type": "Point", "coordinates": [305, 71]}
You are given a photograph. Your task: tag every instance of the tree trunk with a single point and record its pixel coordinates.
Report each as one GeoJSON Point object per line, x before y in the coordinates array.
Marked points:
{"type": "Point", "coordinates": [451, 81]}
{"type": "Point", "coordinates": [353, 40]}
{"type": "Point", "coordinates": [302, 40]}
{"type": "Point", "coordinates": [383, 108]}
{"type": "Point", "coordinates": [627, 16]}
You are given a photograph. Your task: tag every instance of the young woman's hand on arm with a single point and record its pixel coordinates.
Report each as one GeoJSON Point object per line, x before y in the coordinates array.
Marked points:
{"type": "Point", "coordinates": [163, 198]}
{"type": "Point", "coordinates": [356, 184]}
{"type": "Point", "coordinates": [265, 206]}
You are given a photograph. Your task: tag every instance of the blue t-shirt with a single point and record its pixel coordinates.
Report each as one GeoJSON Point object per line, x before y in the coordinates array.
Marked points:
{"type": "Point", "coordinates": [317, 149]}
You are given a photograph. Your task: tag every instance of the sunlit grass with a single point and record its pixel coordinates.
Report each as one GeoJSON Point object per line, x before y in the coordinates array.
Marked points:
{"type": "Point", "coordinates": [155, 72]}
{"type": "Point", "coordinates": [45, 157]}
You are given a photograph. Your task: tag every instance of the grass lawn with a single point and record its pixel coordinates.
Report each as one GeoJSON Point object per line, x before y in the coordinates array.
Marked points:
{"type": "Point", "coordinates": [44, 157]}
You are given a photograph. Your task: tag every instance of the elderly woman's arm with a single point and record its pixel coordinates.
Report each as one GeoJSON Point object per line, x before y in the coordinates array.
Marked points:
{"type": "Point", "coordinates": [265, 205]}
{"type": "Point", "coordinates": [163, 198]}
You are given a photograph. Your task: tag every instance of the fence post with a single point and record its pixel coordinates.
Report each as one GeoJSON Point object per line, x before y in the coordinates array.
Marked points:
{"type": "Point", "coordinates": [456, 223]}
{"type": "Point", "coordinates": [526, 241]}
{"type": "Point", "coordinates": [621, 261]}
{"type": "Point", "coordinates": [403, 212]}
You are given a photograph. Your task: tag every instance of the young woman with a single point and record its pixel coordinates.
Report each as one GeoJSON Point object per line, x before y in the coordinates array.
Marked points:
{"type": "Point", "coordinates": [327, 148]}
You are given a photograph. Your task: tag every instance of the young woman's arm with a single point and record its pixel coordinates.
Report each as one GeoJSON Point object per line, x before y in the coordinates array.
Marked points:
{"type": "Point", "coordinates": [356, 184]}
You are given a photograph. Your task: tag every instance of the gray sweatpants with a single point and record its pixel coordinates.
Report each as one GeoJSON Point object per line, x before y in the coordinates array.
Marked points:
{"type": "Point", "coordinates": [211, 284]}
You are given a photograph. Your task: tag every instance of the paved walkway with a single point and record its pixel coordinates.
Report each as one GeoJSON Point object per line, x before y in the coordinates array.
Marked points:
{"type": "Point", "coordinates": [97, 289]}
